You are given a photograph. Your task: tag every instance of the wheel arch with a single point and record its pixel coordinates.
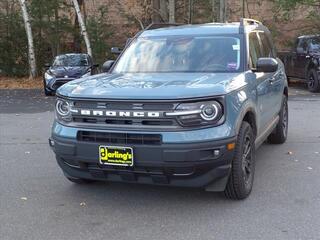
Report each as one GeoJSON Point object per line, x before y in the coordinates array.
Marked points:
{"type": "Point", "coordinates": [312, 64]}
{"type": "Point", "coordinates": [249, 115]}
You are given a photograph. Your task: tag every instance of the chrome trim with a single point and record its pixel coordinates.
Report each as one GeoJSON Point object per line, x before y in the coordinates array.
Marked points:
{"type": "Point", "coordinates": [181, 113]}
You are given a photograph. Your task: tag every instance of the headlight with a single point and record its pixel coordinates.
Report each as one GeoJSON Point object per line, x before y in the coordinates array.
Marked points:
{"type": "Point", "coordinates": [86, 74]}
{"type": "Point", "coordinates": [47, 76]}
{"type": "Point", "coordinates": [63, 110]}
{"type": "Point", "coordinates": [199, 113]}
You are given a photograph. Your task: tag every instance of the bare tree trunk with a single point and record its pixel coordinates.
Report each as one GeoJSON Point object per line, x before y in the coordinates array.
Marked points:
{"type": "Point", "coordinates": [82, 25]}
{"type": "Point", "coordinates": [31, 54]}
{"type": "Point", "coordinates": [190, 11]}
{"type": "Point", "coordinates": [164, 11]}
{"type": "Point", "coordinates": [155, 15]}
{"type": "Point", "coordinates": [243, 8]}
{"type": "Point", "coordinates": [172, 9]}
{"type": "Point", "coordinates": [213, 10]}
{"type": "Point", "coordinates": [223, 7]}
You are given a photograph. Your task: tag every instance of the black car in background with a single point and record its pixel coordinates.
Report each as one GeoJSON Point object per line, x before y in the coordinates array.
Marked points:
{"type": "Point", "coordinates": [65, 68]}
{"type": "Point", "coordinates": [303, 61]}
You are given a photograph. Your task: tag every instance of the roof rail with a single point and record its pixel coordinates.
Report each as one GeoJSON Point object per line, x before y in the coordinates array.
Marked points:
{"type": "Point", "coordinates": [161, 25]}
{"type": "Point", "coordinates": [248, 21]}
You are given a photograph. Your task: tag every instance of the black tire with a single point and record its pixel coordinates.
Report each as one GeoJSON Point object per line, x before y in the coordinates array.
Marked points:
{"type": "Point", "coordinates": [240, 181]}
{"type": "Point", "coordinates": [313, 81]}
{"type": "Point", "coordinates": [47, 93]}
{"type": "Point", "coordinates": [279, 134]}
{"type": "Point", "coordinates": [79, 180]}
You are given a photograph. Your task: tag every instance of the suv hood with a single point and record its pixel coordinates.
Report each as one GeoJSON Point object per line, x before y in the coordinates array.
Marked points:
{"type": "Point", "coordinates": [68, 71]}
{"type": "Point", "coordinates": [153, 86]}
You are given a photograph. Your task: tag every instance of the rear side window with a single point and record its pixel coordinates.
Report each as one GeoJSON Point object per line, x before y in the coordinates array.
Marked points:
{"type": "Point", "coordinates": [266, 46]}
{"type": "Point", "coordinates": [254, 49]}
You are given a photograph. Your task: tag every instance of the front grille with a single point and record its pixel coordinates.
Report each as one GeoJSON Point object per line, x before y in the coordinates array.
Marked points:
{"type": "Point", "coordinates": [119, 138]}
{"type": "Point", "coordinates": [161, 122]}
{"type": "Point", "coordinates": [58, 84]}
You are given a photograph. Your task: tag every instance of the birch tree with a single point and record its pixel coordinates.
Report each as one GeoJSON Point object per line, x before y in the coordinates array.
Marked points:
{"type": "Point", "coordinates": [171, 6]}
{"type": "Point", "coordinates": [31, 54]}
{"type": "Point", "coordinates": [82, 25]}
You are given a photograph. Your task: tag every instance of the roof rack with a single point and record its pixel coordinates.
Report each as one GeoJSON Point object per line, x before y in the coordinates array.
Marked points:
{"type": "Point", "coordinates": [161, 25]}
{"type": "Point", "coordinates": [248, 21]}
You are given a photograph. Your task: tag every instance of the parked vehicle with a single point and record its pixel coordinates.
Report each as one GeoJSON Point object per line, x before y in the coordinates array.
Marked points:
{"type": "Point", "coordinates": [65, 68]}
{"type": "Point", "coordinates": [303, 61]}
{"type": "Point", "coordinates": [181, 106]}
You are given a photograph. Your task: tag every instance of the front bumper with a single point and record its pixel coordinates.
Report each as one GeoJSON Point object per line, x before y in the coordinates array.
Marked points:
{"type": "Point", "coordinates": [53, 84]}
{"type": "Point", "coordinates": [199, 164]}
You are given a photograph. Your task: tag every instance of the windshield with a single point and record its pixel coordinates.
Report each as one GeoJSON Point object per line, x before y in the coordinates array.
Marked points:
{"type": "Point", "coordinates": [181, 54]}
{"type": "Point", "coordinates": [71, 60]}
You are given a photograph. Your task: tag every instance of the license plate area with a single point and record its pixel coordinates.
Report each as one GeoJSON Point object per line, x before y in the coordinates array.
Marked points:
{"type": "Point", "coordinates": [115, 155]}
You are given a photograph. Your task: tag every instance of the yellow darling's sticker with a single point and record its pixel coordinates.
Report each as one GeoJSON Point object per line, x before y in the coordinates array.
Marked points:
{"type": "Point", "coordinates": [111, 155]}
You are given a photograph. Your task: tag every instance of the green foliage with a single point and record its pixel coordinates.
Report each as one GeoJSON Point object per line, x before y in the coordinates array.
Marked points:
{"type": "Point", "coordinates": [50, 26]}
{"type": "Point", "coordinates": [13, 41]}
{"type": "Point", "coordinates": [99, 32]}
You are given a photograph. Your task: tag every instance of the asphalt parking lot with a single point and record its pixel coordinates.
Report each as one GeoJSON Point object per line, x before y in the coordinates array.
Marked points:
{"type": "Point", "coordinates": [37, 202]}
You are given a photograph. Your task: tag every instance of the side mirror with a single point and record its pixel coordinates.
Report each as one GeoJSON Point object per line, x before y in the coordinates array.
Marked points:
{"type": "Point", "coordinates": [107, 66]}
{"type": "Point", "coordinates": [267, 65]}
{"type": "Point", "coordinates": [116, 50]}
{"type": "Point", "coordinates": [95, 65]}
{"type": "Point", "coordinates": [47, 65]}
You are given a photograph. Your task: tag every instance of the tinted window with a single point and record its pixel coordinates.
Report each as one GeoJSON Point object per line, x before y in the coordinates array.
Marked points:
{"type": "Point", "coordinates": [254, 49]}
{"type": "Point", "coordinates": [315, 44]}
{"type": "Point", "coordinates": [302, 46]}
{"type": "Point", "coordinates": [266, 46]}
{"type": "Point", "coordinates": [181, 54]}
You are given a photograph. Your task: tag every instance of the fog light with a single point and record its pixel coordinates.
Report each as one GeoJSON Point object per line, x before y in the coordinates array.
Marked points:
{"type": "Point", "coordinates": [51, 143]}
{"type": "Point", "coordinates": [216, 153]}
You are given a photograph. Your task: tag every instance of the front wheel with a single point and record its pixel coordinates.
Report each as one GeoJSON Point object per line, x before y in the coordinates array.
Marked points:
{"type": "Point", "coordinates": [313, 81]}
{"type": "Point", "coordinates": [279, 134]}
{"type": "Point", "coordinates": [240, 181]}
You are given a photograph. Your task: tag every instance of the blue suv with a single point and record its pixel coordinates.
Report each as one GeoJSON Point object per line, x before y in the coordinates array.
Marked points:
{"type": "Point", "coordinates": [181, 106]}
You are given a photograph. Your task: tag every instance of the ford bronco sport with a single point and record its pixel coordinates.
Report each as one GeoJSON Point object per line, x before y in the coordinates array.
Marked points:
{"type": "Point", "coordinates": [181, 106]}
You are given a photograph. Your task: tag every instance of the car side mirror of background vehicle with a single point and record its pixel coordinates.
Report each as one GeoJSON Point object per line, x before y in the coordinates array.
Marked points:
{"type": "Point", "coordinates": [47, 65]}
{"type": "Point", "coordinates": [116, 50]}
{"type": "Point", "coordinates": [96, 65]}
{"type": "Point", "coordinates": [107, 65]}
{"type": "Point", "coordinates": [267, 65]}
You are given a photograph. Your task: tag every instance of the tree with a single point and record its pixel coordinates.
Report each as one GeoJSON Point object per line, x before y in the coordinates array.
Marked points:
{"type": "Point", "coordinates": [131, 12]}
{"type": "Point", "coordinates": [99, 30]}
{"type": "Point", "coordinates": [82, 25]}
{"type": "Point", "coordinates": [288, 7]}
{"type": "Point", "coordinates": [223, 11]}
{"type": "Point", "coordinates": [171, 7]}
{"type": "Point", "coordinates": [13, 40]}
{"type": "Point", "coordinates": [51, 28]}
{"type": "Point", "coordinates": [31, 54]}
